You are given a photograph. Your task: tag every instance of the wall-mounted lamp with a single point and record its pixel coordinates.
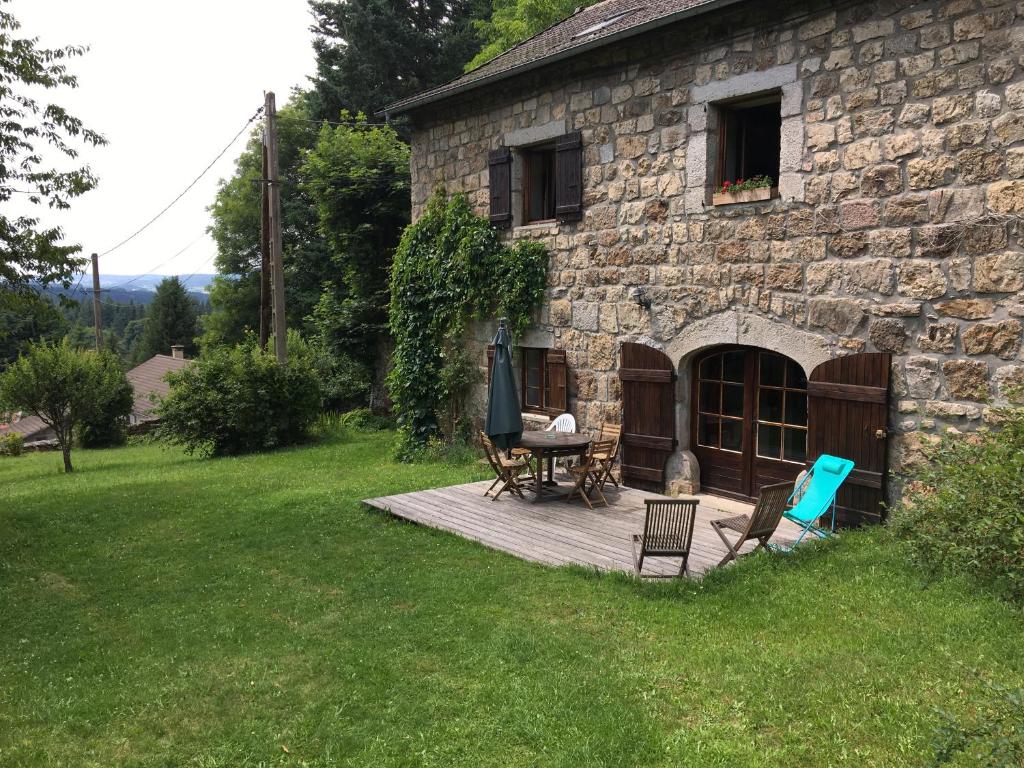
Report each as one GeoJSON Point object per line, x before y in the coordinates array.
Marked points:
{"type": "Point", "coordinates": [639, 295]}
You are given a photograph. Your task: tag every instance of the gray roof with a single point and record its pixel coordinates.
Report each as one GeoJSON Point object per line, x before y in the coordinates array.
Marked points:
{"type": "Point", "coordinates": [585, 30]}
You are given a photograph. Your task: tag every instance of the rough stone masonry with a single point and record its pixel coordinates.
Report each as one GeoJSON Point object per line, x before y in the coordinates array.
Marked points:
{"type": "Point", "coordinates": [897, 226]}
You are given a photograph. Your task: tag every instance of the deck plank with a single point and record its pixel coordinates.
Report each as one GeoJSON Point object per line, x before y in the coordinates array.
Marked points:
{"type": "Point", "coordinates": [559, 533]}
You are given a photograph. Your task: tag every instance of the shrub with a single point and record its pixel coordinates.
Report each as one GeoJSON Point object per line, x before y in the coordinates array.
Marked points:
{"type": "Point", "coordinates": [240, 400]}
{"type": "Point", "coordinates": [62, 386]}
{"type": "Point", "coordinates": [364, 419]}
{"type": "Point", "coordinates": [107, 424]}
{"type": "Point", "coordinates": [962, 511]}
{"type": "Point", "coordinates": [12, 444]}
{"type": "Point", "coordinates": [992, 736]}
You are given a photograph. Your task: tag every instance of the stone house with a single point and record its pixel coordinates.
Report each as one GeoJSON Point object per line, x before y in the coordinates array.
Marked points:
{"type": "Point", "coordinates": [869, 300]}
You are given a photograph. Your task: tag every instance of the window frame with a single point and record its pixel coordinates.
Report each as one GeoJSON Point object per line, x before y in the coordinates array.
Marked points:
{"type": "Point", "coordinates": [526, 154]}
{"type": "Point", "coordinates": [723, 111]}
{"type": "Point", "coordinates": [524, 355]}
{"type": "Point", "coordinates": [785, 388]}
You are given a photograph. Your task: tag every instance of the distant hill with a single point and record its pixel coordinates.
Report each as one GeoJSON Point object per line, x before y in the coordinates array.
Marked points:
{"type": "Point", "coordinates": [139, 289]}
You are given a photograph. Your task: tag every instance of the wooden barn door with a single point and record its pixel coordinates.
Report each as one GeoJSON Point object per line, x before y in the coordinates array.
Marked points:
{"type": "Point", "coordinates": [848, 411]}
{"type": "Point", "coordinates": [648, 415]}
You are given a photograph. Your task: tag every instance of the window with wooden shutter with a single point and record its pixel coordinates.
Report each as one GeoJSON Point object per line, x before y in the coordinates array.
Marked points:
{"type": "Point", "coordinates": [556, 378]}
{"type": "Point", "coordinates": [569, 177]}
{"type": "Point", "coordinates": [499, 163]}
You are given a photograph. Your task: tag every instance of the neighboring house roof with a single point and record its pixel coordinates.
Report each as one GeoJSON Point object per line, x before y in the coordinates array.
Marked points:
{"type": "Point", "coordinates": [585, 30]}
{"type": "Point", "coordinates": [29, 427]}
{"type": "Point", "coordinates": [147, 380]}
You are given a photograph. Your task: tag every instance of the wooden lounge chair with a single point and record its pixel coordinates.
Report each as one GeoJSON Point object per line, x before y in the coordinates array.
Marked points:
{"type": "Point", "coordinates": [588, 471]}
{"type": "Point", "coordinates": [507, 471]}
{"type": "Point", "coordinates": [606, 460]}
{"type": "Point", "coordinates": [668, 532]}
{"type": "Point", "coordinates": [760, 524]}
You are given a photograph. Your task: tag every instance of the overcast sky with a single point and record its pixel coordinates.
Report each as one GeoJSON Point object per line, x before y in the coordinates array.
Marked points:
{"type": "Point", "coordinates": [168, 84]}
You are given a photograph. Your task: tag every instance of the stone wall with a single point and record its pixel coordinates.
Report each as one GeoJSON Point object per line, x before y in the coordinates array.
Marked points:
{"type": "Point", "coordinates": [902, 180]}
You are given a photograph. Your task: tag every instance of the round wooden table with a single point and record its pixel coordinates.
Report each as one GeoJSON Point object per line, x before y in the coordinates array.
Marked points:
{"type": "Point", "coordinates": [549, 445]}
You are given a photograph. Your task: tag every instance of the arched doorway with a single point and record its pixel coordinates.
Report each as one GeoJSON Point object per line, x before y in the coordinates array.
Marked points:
{"type": "Point", "coordinates": [748, 419]}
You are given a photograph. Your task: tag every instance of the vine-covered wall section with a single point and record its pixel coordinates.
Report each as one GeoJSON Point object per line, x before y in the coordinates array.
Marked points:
{"type": "Point", "coordinates": [450, 269]}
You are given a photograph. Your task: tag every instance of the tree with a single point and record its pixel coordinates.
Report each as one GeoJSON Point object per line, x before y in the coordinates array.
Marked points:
{"type": "Point", "coordinates": [25, 318]}
{"type": "Point", "coordinates": [373, 52]}
{"type": "Point", "coordinates": [235, 212]}
{"type": "Point", "coordinates": [516, 20]}
{"type": "Point", "coordinates": [358, 175]}
{"type": "Point", "coordinates": [31, 251]}
{"type": "Point", "coordinates": [171, 319]}
{"type": "Point", "coordinates": [61, 385]}
{"type": "Point", "coordinates": [107, 422]}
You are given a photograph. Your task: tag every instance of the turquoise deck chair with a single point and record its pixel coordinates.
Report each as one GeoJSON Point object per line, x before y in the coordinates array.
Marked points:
{"type": "Point", "coordinates": [815, 494]}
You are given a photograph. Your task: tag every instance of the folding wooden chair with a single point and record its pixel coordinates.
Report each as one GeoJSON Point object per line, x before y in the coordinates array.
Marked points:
{"type": "Point", "coordinates": [668, 532]}
{"type": "Point", "coordinates": [507, 471]}
{"type": "Point", "coordinates": [606, 460]}
{"type": "Point", "coordinates": [760, 525]}
{"type": "Point", "coordinates": [588, 470]}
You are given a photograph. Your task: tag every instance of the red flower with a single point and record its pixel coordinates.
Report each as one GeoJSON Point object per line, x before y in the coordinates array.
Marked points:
{"type": "Point", "coordinates": [726, 184]}
{"type": "Point", "coordinates": [739, 181]}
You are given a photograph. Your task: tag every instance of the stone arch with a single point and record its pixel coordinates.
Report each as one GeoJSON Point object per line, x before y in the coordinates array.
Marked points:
{"type": "Point", "coordinates": [730, 327]}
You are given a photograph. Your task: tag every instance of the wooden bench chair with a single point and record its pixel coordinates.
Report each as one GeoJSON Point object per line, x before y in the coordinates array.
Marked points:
{"type": "Point", "coordinates": [507, 471]}
{"type": "Point", "coordinates": [668, 532]}
{"type": "Point", "coordinates": [759, 525]}
{"type": "Point", "coordinates": [588, 471]}
{"type": "Point", "coordinates": [606, 460]}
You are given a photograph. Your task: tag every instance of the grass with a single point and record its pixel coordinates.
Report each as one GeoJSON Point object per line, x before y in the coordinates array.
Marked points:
{"type": "Point", "coordinates": [161, 610]}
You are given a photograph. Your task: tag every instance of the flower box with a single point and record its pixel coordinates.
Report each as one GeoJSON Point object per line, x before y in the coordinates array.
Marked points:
{"type": "Point", "coordinates": [744, 196]}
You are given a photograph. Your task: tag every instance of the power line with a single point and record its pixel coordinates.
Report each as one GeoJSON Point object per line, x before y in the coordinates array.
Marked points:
{"type": "Point", "coordinates": [195, 181]}
{"type": "Point", "coordinates": [153, 270]}
{"type": "Point", "coordinates": [348, 123]}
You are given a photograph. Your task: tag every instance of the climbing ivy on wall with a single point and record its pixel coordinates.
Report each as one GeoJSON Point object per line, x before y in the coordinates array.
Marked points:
{"type": "Point", "coordinates": [450, 268]}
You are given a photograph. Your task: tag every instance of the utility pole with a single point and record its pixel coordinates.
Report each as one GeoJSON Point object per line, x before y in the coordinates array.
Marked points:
{"type": "Point", "coordinates": [265, 313]}
{"type": "Point", "coordinates": [277, 264]}
{"type": "Point", "coordinates": [97, 313]}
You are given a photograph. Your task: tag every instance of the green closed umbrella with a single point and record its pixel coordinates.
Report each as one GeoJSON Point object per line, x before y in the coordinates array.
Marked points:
{"type": "Point", "coordinates": [504, 423]}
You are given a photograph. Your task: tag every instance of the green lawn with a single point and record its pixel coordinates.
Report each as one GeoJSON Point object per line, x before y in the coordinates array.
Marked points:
{"type": "Point", "coordinates": [161, 610]}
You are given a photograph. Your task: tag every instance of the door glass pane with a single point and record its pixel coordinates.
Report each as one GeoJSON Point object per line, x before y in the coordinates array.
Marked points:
{"type": "Point", "coordinates": [711, 367]}
{"type": "Point", "coordinates": [769, 441]}
{"type": "Point", "coordinates": [734, 366]}
{"type": "Point", "coordinates": [769, 405]}
{"type": "Point", "coordinates": [795, 445]}
{"type": "Point", "coordinates": [709, 397]}
{"type": "Point", "coordinates": [732, 400]}
{"type": "Point", "coordinates": [732, 434]}
{"type": "Point", "coordinates": [795, 376]}
{"type": "Point", "coordinates": [773, 369]}
{"type": "Point", "coordinates": [796, 408]}
{"type": "Point", "coordinates": [707, 430]}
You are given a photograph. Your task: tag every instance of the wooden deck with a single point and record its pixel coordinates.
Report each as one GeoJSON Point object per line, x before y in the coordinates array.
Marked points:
{"type": "Point", "coordinates": [560, 533]}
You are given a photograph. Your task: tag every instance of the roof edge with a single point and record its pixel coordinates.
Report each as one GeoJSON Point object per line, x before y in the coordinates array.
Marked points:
{"type": "Point", "coordinates": [435, 95]}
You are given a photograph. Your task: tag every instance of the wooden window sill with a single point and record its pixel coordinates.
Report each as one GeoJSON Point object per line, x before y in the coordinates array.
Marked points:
{"type": "Point", "coordinates": [746, 196]}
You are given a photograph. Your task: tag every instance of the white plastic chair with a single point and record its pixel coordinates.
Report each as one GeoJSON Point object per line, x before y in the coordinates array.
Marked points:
{"type": "Point", "coordinates": [562, 423]}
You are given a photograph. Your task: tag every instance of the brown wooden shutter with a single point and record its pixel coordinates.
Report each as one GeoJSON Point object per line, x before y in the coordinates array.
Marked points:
{"type": "Point", "coordinates": [499, 163]}
{"type": "Point", "coordinates": [648, 415]}
{"type": "Point", "coordinates": [847, 416]}
{"type": "Point", "coordinates": [490, 362]}
{"type": "Point", "coordinates": [569, 176]}
{"type": "Point", "coordinates": [555, 373]}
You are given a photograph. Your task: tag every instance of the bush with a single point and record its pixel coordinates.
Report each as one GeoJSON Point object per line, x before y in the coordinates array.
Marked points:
{"type": "Point", "coordinates": [107, 424]}
{"type": "Point", "coordinates": [12, 444]}
{"type": "Point", "coordinates": [962, 512]}
{"type": "Point", "coordinates": [365, 420]}
{"type": "Point", "coordinates": [240, 400]}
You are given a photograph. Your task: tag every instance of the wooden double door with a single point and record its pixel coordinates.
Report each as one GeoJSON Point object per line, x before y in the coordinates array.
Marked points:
{"type": "Point", "coordinates": [749, 419]}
